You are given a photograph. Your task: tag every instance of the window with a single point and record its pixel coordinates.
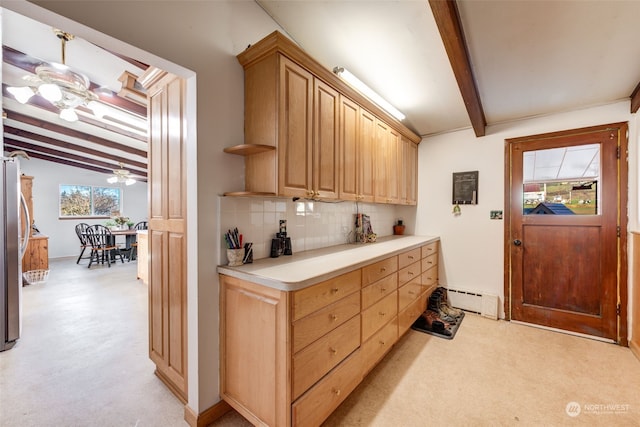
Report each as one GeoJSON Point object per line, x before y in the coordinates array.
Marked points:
{"type": "Point", "coordinates": [87, 201]}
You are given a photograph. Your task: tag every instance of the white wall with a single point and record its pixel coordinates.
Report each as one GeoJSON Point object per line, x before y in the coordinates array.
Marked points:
{"type": "Point", "coordinates": [47, 176]}
{"type": "Point", "coordinates": [472, 244]}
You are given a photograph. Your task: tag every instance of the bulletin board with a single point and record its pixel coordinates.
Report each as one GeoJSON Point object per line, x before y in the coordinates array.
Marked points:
{"type": "Point", "coordinates": [465, 188]}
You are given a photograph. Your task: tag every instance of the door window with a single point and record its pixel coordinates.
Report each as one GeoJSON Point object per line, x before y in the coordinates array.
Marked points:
{"type": "Point", "coordinates": [561, 181]}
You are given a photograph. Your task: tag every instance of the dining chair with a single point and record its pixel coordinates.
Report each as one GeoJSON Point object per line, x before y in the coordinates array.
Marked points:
{"type": "Point", "coordinates": [103, 245]}
{"type": "Point", "coordinates": [81, 230]}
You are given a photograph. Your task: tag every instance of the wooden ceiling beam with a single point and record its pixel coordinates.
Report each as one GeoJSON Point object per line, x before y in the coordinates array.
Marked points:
{"type": "Point", "coordinates": [73, 147]}
{"type": "Point", "coordinates": [27, 63]}
{"type": "Point", "coordinates": [39, 102]}
{"type": "Point", "coordinates": [635, 99]}
{"type": "Point", "coordinates": [447, 19]}
{"type": "Point", "coordinates": [37, 155]}
{"type": "Point", "coordinates": [13, 115]}
{"type": "Point", "coordinates": [45, 150]}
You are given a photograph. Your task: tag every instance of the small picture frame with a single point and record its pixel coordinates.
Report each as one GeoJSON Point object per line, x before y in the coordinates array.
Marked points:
{"type": "Point", "coordinates": [465, 188]}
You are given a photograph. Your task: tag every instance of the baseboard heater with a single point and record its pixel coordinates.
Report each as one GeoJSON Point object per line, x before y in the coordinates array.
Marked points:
{"type": "Point", "coordinates": [483, 304]}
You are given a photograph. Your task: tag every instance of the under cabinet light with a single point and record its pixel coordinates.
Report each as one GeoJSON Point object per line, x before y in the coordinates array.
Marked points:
{"type": "Point", "coordinates": [368, 92]}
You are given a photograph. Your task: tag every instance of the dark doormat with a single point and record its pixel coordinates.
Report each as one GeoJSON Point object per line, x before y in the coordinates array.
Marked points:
{"type": "Point", "coordinates": [420, 325]}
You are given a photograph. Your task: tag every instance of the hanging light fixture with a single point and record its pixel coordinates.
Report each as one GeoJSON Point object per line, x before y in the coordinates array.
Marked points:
{"type": "Point", "coordinates": [368, 92]}
{"type": "Point", "coordinates": [60, 85]}
{"type": "Point", "coordinates": [121, 175]}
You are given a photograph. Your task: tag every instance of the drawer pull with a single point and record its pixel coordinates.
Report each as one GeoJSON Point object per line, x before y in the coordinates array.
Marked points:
{"type": "Point", "coordinates": [382, 342]}
{"type": "Point", "coordinates": [334, 290]}
{"type": "Point", "coordinates": [383, 289]}
{"type": "Point", "coordinates": [411, 293]}
{"type": "Point", "coordinates": [334, 317]}
{"type": "Point", "coordinates": [410, 273]}
{"type": "Point", "coordinates": [429, 262]}
{"type": "Point", "coordinates": [383, 269]}
{"type": "Point", "coordinates": [410, 256]}
{"type": "Point", "coordinates": [333, 350]}
{"type": "Point", "coordinates": [382, 313]}
{"type": "Point", "coordinates": [336, 391]}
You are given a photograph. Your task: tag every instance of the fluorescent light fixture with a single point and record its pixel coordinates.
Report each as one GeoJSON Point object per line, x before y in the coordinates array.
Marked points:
{"type": "Point", "coordinates": [368, 92]}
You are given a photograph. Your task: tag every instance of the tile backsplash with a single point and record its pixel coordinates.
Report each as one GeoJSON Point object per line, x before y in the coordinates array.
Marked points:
{"type": "Point", "coordinates": [310, 224]}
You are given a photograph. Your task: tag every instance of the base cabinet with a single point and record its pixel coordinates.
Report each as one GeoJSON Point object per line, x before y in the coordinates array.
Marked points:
{"type": "Point", "coordinates": [291, 358]}
{"type": "Point", "coordinates": [36, 256]}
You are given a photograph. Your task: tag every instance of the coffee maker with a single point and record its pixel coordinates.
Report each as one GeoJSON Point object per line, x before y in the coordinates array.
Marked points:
{"type": "Point", "coordinates": [281, 245]}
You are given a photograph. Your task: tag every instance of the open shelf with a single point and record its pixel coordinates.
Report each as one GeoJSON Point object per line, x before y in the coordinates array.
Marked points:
{"type": "Point", "coordinates": [248, 149]}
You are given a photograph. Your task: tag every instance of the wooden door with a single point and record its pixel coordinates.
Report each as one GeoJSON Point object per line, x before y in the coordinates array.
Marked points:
{"type": "Point", "coordinates": [167, 232]}
{"type": "Point", "coordinates": [326, 160]}
{"type": "Point", "coordinates": [349, 151]}
{"type": "Point", "coordinates": [565, 238]}
{"type": "Point", "coordinates": [295, 115]}
{"type": "Point", "coordinates": [366, 157]}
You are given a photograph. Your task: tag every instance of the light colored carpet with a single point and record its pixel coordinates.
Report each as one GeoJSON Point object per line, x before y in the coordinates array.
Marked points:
{"type": "Point", "coordinates": [83, 361]}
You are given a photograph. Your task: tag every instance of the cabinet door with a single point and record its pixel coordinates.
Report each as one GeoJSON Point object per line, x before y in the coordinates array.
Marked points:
{"type": "Point", "coordinates": [326, 159]}
{"type": "Point", "coordinates": [395, 173]}
{"type": "Point", "coordinates": [295, 115]}
{"type": "Point", "coordinates": [349, 152]}
{"type": "Point", "coordinates": [366, 156]}
{"type": "Point", "coordinates": [410, 171]}
{"type": "Point", "coordinates": [381, 162]}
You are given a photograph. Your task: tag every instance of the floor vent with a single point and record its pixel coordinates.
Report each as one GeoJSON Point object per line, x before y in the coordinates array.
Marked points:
{"type": "Point", "coordinates": [483, 304]}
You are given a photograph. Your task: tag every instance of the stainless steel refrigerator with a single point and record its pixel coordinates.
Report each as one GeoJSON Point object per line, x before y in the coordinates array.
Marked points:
{"type": "Point", "coordinates": [13, 244]}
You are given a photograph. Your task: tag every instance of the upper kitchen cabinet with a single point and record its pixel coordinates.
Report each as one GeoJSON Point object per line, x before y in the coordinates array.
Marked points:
{"type": "Point", "coordinates": [306, 130]}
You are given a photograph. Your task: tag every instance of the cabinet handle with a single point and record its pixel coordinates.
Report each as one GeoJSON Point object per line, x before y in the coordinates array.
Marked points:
{"type": "Point", "coordinates": [410, 256]}
{"type": "Point", "coordinates": [382, 313]}
{"type": "Point", "coordinates": [410, 273]}
{"type": "Point", "coordinates": [382, 342]}
{"type": "Point", "coordinates": [336, 391]}
{"type": "Point", "coordinates": [383, 269]}
{"type": "Point", "coordinates": [309, 193]}
{"type": "Point", "coordinates": [429, 262]}
{"type": "Point", "coordinates": [333, 350]}
{"type": "Point", "coordinates": [334, 290]}
{"type": "Point", "coordinates": [316, 193]}
{"type": "Point", "coordinates": [411, 293]}
{"type": "Point", "coordinates": [334, 317]}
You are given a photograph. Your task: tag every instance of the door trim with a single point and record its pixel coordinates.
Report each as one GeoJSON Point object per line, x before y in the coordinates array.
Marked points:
{"type": "Point", "coordinates": [622, 128]}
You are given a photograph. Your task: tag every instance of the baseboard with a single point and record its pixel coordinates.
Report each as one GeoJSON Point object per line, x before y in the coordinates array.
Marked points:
{"type": "Point", "coordinates": [635, 347]}
{"type": "Point", "coordinates": [208, 416]}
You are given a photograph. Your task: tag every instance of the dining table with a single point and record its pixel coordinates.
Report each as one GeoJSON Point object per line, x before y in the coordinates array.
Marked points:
{"type": "Point", "coordinates": [130, 239]}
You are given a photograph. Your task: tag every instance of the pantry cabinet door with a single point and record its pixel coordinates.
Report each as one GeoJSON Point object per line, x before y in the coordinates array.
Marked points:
{"type": "Point", "coordinates": [349, 151]}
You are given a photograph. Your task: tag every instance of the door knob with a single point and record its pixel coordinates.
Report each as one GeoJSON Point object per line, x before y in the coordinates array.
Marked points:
{"type": "Point", "coordinates": [517, 242]}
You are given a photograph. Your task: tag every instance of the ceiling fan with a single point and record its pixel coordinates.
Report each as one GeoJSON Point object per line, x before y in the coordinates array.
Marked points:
{"type": "Point", "coordinates": [121, 175]}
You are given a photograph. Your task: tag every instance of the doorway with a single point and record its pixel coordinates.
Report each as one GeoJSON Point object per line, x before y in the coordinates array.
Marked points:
{"type": "Point", "coordinates": [565, 231]}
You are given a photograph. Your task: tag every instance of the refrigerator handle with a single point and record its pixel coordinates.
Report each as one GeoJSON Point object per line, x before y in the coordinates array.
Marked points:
{"type": "Point", "coordinates": [25, 240]}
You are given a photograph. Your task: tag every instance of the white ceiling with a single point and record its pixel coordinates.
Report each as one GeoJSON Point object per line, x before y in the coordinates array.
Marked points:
{"type": "Point", "coordinates": [529, 58]}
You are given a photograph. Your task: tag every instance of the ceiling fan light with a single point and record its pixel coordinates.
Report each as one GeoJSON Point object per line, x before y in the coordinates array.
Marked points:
{"type": "Point", "coordinates": [99, 110]}
{"type": "Point", "coordinates": [50, 92]}
{"type": "Point", "coordinates": [22, 94]}
{"type": "Point", "coordinates": [69, 114]}
{"type": "Point", "coordinates": [130, 181]}
{"type": "Point", "coordinates": [112, 179]}
{"type": "Point", "coordinates": [368, 92]}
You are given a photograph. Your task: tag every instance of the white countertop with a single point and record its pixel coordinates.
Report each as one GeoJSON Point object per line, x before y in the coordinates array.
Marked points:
{"type": "Point", "coordinates": [290, 273]}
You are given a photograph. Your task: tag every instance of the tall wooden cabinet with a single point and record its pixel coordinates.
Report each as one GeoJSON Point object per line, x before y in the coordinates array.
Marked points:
{"type": "Point", "coordinates": [36, 257]}
{"type": "Point", "coordinates": [167, 229]}
{"type": "Point", "coordinates": [309, 134]}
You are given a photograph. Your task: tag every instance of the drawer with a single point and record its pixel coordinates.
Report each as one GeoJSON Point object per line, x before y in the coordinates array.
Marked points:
{"type": "Point", "coordinates": [409, 257]}
{"type": "Point", "coordinates": [318, 403]}
{"type": "Point", "coordinates": [409, 315]}
{"type": "Point", "coordinates": [379, 314]}
{"type": "Point", "coordinates": [374, 272]}
{"type": "Point", "coordinates": [409, 292]}
{"type": "Point", "coordinates": [318, 358]}
{"type": "Point", "coordinates": [430, 261]}
{"type": "Point", "coordinates": [308, 300]}
{"type": "Point", "coordinates": [378, 345]}
{"type": "Point", "coordinates": [310, 328]}
{"type": "Point", "coordinates": [378, 290]}
{"type": "Point", "coordinates": [430, 249]}
{"type": "Point", "coordinates": [409, 273]}
{"type": "Point", "coordinates": [430, 277]}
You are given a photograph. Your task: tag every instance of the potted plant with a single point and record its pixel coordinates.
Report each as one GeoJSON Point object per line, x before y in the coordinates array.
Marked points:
{"type": "Point", "coordinates": [121, 221]}
{"type": "Point", "coordinates": [130, 224]}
